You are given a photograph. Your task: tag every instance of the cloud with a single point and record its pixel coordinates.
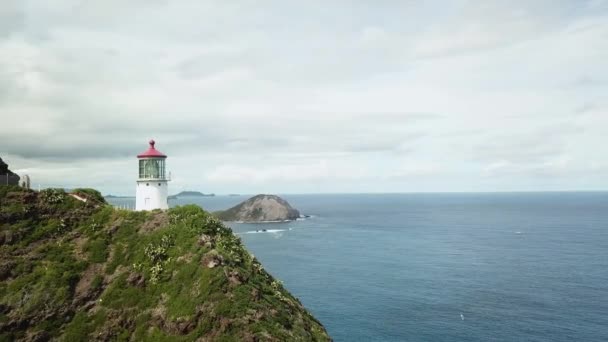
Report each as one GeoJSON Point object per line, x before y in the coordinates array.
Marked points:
{"type": "Point", "coordinates": [528, 147]}
{"type": "Point", "coordinates": [348, 97]}
{"type": "Point", "coordinates": [412, 170]}
{"type": "Point", "coordinates": [12, 17]}
{"type": "Point", "coordinates": [560, 168]}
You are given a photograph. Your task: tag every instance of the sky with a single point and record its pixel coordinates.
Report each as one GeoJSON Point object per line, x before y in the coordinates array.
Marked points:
{"type": "Point", "coordinates": [307, 97]}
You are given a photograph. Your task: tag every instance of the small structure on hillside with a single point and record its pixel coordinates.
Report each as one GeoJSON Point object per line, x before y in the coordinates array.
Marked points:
{"type": "Point", "coordinates": [25, 181]}
{"type": "Point", "coordinates": [152, 184]}
{"type": "Point", "coordinates": [7, 177]}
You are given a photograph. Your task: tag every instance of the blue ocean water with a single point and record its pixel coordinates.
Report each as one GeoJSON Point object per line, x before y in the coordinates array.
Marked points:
{"type": "Point", "coordinates": [442, 267]}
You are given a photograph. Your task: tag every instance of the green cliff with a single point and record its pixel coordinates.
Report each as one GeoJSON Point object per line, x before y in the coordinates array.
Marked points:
{"type": "Point", "coordinates": [72, 270]}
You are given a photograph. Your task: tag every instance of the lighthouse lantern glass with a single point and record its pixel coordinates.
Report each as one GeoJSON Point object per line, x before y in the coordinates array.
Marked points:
{"type": "Point", "coordinates": [152, 168]}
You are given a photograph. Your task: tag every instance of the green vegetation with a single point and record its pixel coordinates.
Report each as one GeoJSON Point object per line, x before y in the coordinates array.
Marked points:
{"type": "Point", "coordinates": [78, 271]}
{"type": "Point", "coordinates": [89, 194]}
{"type": "Point", "coordinates": [97, 249]}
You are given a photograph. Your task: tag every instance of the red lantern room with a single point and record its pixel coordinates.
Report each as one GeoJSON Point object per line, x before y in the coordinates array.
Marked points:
{"type": "Point", "coordinates": [152, 163]}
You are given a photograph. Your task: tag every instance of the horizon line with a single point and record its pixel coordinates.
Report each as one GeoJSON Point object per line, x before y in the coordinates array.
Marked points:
{"type": "Point", "coordinates": [380, 193]}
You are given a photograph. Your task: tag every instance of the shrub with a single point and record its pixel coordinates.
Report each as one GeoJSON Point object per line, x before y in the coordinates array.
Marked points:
{"type": "Point", "coordinates": [53, 196]}
{"type": "Point", "coordinates": [90, 194]}
{"type": "Point", "coordinates": [6, 189]}
{"type": "Point", "coordinates": [52, 226]}
{"type": "Point", "coordinates": [157, 254]}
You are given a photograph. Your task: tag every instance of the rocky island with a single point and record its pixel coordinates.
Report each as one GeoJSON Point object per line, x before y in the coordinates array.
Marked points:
{"type": "Point", "coordinates": [73, 268]}
{"type": "Point", "coordinates": [260, 208]}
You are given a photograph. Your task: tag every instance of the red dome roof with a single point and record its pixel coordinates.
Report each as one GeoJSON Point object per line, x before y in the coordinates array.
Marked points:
{"type": "Point", "coordinates": [151, 152]}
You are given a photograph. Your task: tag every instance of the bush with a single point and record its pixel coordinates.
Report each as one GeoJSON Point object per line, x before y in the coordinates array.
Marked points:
{"type": "Point", "coordinates": [52, 228]}
{"type": "Point", "coordinates": [157, 254]}
{"type": "Point", "coordinates": [6, 189]}
{"type": "Point", "coordinates": [90, 194]}
{"type": "Point", "coordinates": [53, 196]}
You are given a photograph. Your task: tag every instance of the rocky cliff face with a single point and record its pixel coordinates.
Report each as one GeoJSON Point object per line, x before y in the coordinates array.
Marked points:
{"type": "Point", "coordinates": [84, 271]}
{"type": "Point", "coordinates": [260, 208]}
{"type": "Point", "coordinates": [7, 177]}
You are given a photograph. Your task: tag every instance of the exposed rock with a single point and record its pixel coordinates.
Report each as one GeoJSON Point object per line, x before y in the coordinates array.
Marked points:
{"type": "Point", "coordinates": [115, 225]}
{"type": "Point", "coordinates": [114, 324]}
{"type": "Point", "coordinates": [136, 279]}
{"type": "Point", "coordinates": [157, 221]}
{"type": "Point", "coordinates": [79, 243]}
{"type": "Point", "coordinates": [260, 208]}
{"type": "Point", "coordinates": [38, 336]}
{"type": "Point", "coordinates": [187, 258]}
{"type": "Point", "coordinates": [256, 294]}
{"type": "Point", "coordinates": [7, 237]}
{"type": "Point", "coordinates": [5, 269]}
{"type": "Point", "coordinates": [177, 326]}
{"type": "Point", "coordinates": [212, 259]}
{"type": "Point", "coordinates": [84, 288]}
{"type": "Point", "coordinates": [205, 240]}
{"type": "Point", "coordinates": [234, 277]}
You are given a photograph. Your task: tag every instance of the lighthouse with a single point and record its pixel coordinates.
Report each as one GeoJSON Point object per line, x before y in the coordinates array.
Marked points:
{"type": "Point", "coordinates": [152, 184]}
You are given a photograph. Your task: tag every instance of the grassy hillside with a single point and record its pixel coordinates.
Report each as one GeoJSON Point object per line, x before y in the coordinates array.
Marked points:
{"type": "Point", "coordinates": [77, 271]}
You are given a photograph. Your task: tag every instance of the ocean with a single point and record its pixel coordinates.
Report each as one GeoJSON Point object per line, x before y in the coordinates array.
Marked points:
{"type": "Point", "coordinates": [441, 267]}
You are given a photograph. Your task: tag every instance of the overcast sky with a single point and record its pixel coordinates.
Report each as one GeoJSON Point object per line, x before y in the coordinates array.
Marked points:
{"type": "Point", "coordinates": [307, 96]}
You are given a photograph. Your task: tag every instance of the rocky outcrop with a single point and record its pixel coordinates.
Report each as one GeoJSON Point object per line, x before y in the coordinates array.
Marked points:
{"type": "Point", "coordinates": [7, 177]}
{"type": "Point", "coordinates": [260, 208]}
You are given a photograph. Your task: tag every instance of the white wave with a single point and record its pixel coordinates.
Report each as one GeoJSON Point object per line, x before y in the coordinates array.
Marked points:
{"type": "Point", "coordinates": [275, 230]}
{"type": "Point", "coordinates": [264, 231]}
{"type": "Point", "coordinates": [262, 222]}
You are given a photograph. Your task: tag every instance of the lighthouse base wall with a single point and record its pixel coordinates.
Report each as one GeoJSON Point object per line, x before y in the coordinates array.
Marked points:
{"type": "Point", "coordinates": [151, 195]}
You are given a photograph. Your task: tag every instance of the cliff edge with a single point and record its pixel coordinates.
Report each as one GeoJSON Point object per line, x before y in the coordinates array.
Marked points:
{"type": "Point", "coordinates": [75, 270]}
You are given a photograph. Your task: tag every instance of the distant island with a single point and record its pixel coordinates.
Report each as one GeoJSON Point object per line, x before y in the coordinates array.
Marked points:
{"type": "Point", "coordinates": [190, 194]}
{"type": "Point", "coordinates": [260, 208]}
{"type": "Point", "coordinates": [114, 196]}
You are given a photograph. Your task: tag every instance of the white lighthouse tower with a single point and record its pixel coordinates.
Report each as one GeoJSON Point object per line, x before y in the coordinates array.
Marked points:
{"type": "Point", "coordinates": [152, 184]}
